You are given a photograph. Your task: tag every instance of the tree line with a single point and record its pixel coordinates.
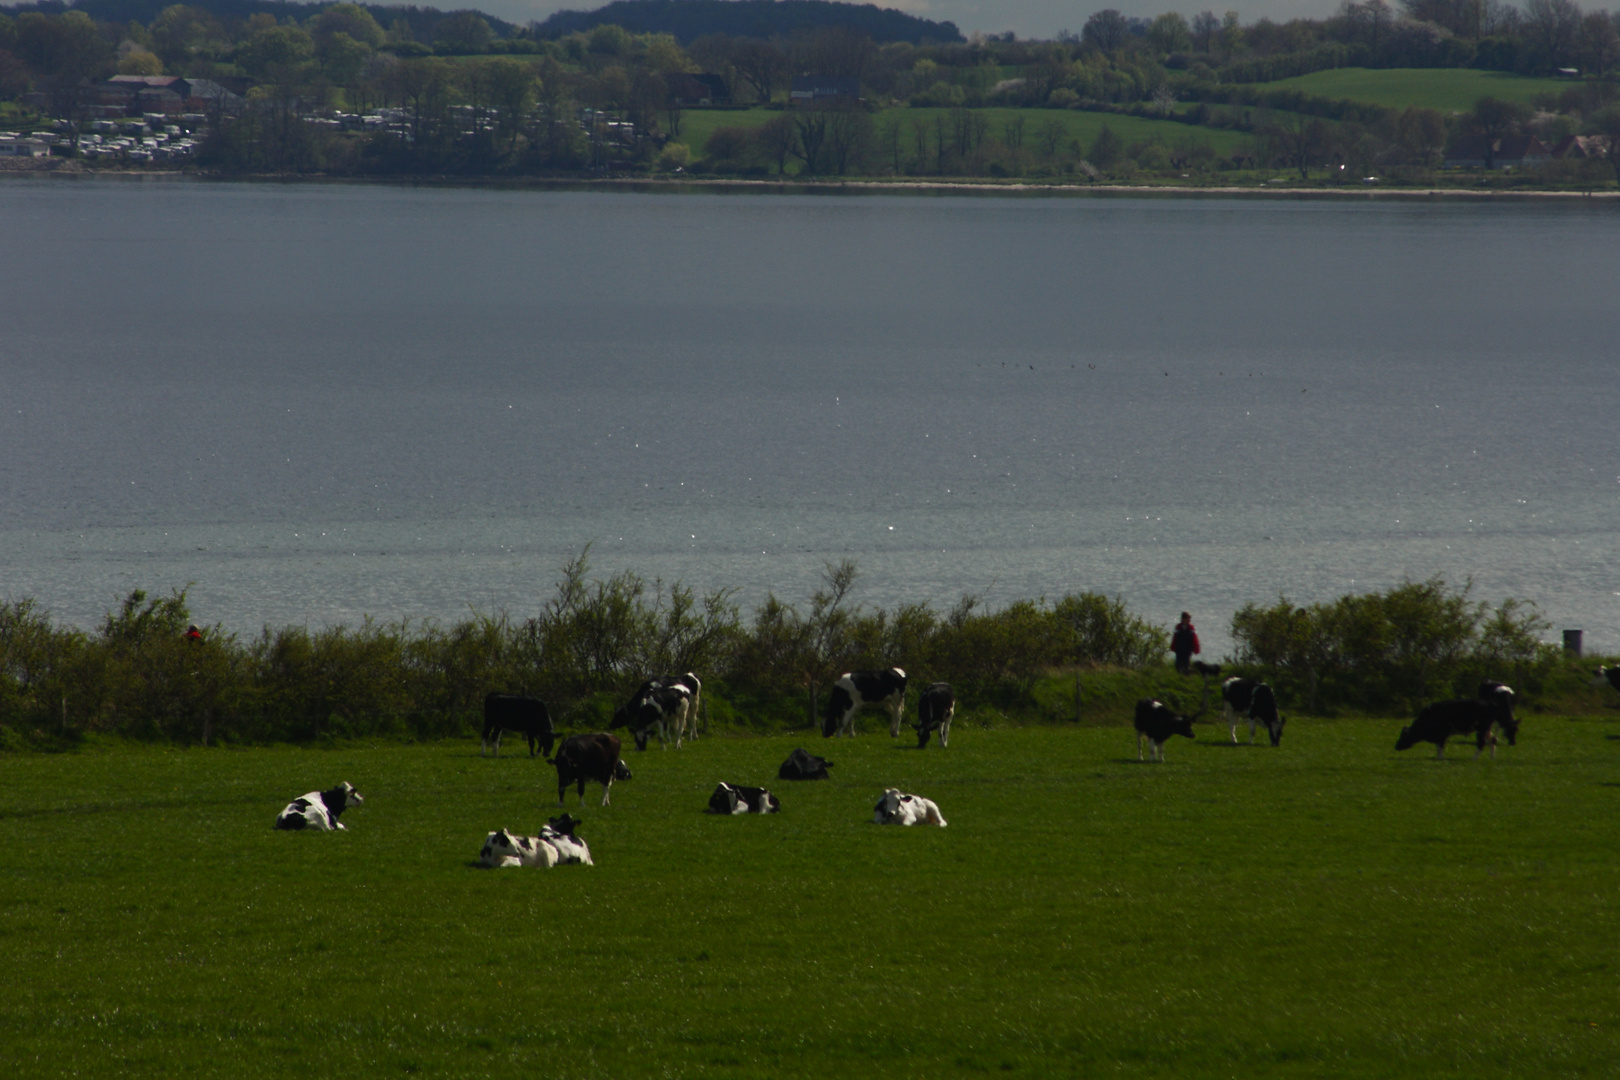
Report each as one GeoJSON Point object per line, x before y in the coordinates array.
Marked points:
{"type": "Point", "coordinates": [140, 674]}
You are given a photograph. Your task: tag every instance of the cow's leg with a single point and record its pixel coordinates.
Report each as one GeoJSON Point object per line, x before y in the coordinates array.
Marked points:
{"type": "Point", "coordinates": [1139, 738]}
{"type": "Point", "coordinates": [1440, 754]}
{"type": "Point", "coordinates": [897, 706]}
{"type": "Point", "coordinates": [945, 727]}
{"type": "Point", "coordinates": [498, 733]}
{"type": "Point", "coordinates": [582, 791]}
{"type": "Point", "coordinates": [1253, 723]}
{"type": "Point", "coordinates": [1231, 718]}
{"type": "Point", "coordinates": [530, 734]}
{"type": "Point", "coordinates": [562, 792]}
{"type": "Point", "coordinates": [607, 789]}
{"type": "Point", "coordinates": [680, 723]}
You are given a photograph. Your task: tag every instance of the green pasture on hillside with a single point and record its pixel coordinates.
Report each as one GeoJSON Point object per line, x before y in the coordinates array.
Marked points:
{"type": "Point", "coordinates": [1327, 909]}
{"type": "Point", "coordinates": [698, 124]}
{"type": "Point", "coordinates": [1446, 89]}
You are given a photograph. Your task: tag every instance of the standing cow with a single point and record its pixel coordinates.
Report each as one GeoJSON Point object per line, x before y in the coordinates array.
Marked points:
{"type": "Point", "coordinates": [588, 757]}
{"type": "Point", "coordinates": [935, 708]}
{"type": "Point", "coordinates": [1155, 723]}
{"type": "Point", "coordinates": [513, 712]}
{"type": "Point", "coordinates": [857, 688]}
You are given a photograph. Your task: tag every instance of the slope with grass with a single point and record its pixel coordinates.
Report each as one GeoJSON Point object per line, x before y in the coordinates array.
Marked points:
{"type": "Point", "coordinates": [1330, 908]}
{"type": "Point", "coordinates": [1446, 89]}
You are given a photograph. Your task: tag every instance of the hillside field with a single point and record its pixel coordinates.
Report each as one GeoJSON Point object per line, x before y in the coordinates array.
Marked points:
{"type": "Point", "coordinates": [698, 124]}
{"type": "Point", "coordinates": [1446, 89]}
{"type": "Point", "coordinates": [1327, 909]}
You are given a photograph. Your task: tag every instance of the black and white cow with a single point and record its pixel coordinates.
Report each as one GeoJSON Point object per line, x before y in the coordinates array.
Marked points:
{"type": "Point", "coordinates": [1254, 700]}
{"type": "Point", "coordinates": [588, 757]}
{"type": "Point", "coordinates": [676, 715]}
{"type": "Point", "coordinates": [320, 809]}
{"type": "Point", "coordinates": [555, 846]}
{"type": "Point", "coordinates": [803, 765]}
{"type": "Point", "coordinates": [736, 799]}
{"type": "Point", "coordinates": [1155, 723]}
{"type": "Point", "coordinates": [662, 709]}
{"type": "Point", "coordinates": [895, 807]}
{"type": "Point", "coordinates": [935, 708]}
{"type": "Point", "coordinates": [559, 833]}
{"type": "Point", "coordinates": [1610, 675]}
{"type": "Point", "coordinates": [857, 688]}
{"type": "Point", "coordinates": [502, 848]}
{"type": "Point", "coordinates": [1476, 716]}
{"type": "Point", "coordinates": [512, 712]}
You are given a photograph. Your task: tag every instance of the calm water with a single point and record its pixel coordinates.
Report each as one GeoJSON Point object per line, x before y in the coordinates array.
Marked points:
{"type": "Point", "coordinates": [318, 402]}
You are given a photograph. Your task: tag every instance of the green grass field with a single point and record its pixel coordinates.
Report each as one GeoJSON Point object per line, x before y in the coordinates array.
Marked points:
{"type": "Point", "coordinates": [1326, 909]}
{"type": "Point", "coordinates": [698, 124]}
{"type": "Point", "coordinates": [1446, 89]}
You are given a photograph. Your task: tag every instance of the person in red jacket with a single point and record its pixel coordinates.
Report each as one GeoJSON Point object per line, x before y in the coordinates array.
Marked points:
{"type": "Point", "coordinates": [1184, 643]}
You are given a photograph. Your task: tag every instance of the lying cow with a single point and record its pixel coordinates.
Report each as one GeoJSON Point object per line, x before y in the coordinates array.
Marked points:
{"type": "Point", "coordinates": [555, 846]}
{"type": "Point", "coordinates": [1155, 723]}
{"type": "Point", "coordinates": [734, 799]}
{"type": "Point", "coordinates": [857, 688]}
{"type": "Point", "coordinates": [512, 712]}
{"type": "Point", "coordinates": [588, 757]}
{"type": "Point", "coordinates": [1254, 700]}
{"type": "Point", "coordinates": [320, 809]}
{"type": "Point", "coordinates": [935, 709]}
{"type": "Point", "coordinates": [661, 709]}
{"type": "Point", "coordinates": [803, 765]}
{"type": "Point", "coordinates": [898, 808]}
{"type": "Point", "coordinates": [1478, 716]}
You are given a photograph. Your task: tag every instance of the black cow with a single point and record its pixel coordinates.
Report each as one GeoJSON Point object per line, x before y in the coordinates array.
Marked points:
{"type": "Point", "coordinates": [1476, 716]}
{"type": "Point", "coordinates": [802, 765]}
{"type": "Point", "coordinates": [512, 712]}
{"type": "Point", "coordinates": [935, 709]}
{"type": "Point", "coordinates": [1610, 675]}
{"type": "Point", "coordinates": [857, 688]}
{"type": "Point", "coordinates": [1253, 699]}
{"type": "Point", "coordinates": [735, 799]}
{"type": "Point", "coordinates": [588, 757]}
{"type": "Point", "coordinates": [1156, 722]}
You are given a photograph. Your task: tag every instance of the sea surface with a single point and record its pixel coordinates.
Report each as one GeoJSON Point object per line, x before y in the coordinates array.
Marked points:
{"type": "Point", "coordinates": [313, 403]}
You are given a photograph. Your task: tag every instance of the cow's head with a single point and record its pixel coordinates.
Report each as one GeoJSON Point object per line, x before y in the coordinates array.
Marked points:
{"type": "Point", "coordinates": [888, 805]}
{"type": "Point", "coordinates": [341, 798]}
{"type": "Point", "coordinates": [621, 771]}
{"type": "Point", "coordinates": [565, 824]}
{"type": "Point", "coordinates": [1274, 729]}
{"type": "Point", "coordinates": [1407, 740]}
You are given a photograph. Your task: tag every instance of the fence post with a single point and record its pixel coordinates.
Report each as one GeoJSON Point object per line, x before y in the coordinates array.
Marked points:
{"type": "Point", "coordinates": [1077, 695]}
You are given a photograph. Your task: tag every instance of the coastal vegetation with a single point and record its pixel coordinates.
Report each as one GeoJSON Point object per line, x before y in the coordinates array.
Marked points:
{"type": "Point", "coordinates": [1369, 95]}
{"type": "Point", "coordinates": [1083, 656]}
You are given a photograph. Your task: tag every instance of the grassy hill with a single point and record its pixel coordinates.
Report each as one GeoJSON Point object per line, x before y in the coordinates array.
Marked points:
{"type": "Point", "coordinates": [1446, 89]}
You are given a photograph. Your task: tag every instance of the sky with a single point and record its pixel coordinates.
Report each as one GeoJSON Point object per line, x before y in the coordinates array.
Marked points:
{"type": "Point", "coordinates": [1026, 18]}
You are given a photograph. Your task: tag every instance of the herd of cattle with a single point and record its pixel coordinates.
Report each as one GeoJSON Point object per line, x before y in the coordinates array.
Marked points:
{"type": "Point", "coordinates": [667, 706]}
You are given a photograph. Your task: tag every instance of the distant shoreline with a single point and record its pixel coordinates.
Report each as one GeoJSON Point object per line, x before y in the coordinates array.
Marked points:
{"type": "Point", "coordinates": [946, 186]}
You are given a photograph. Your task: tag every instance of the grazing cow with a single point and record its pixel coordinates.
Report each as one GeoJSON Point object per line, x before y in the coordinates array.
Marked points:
{"type": "Point", "coordinates": [1610, 675]}
{"type": "Point", "coordinates": [857, 688]}
{"type": "Point", "coordinates": [935, 709]}
{"type": "Point", "coordinates": [555, 846]}
{"type": "Point", "coordinates": [319, 809]}
{"type": "Point", "coordinates": [803, 765]}
{"type": "Point", "coordinates": [511, 712]}
{"type": "Point", "coordinates": [1476, 716]}
{"type": "Point", "coordinates": [895, 807]}
{"type": "Point", "coordinates": [732, 799]}
{"type": "Point", "coordinates": [588, 757]}
{"type": "Point", "coordinates": [1156, 722]}
{"type": "Point", "coordinates": [1253, 699]}
{"type": "Point", "coordinates": [663, 709]}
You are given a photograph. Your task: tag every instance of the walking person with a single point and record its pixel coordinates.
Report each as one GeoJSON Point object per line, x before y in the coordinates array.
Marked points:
{"type": "Point", "coordinates": [1184, 643]}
